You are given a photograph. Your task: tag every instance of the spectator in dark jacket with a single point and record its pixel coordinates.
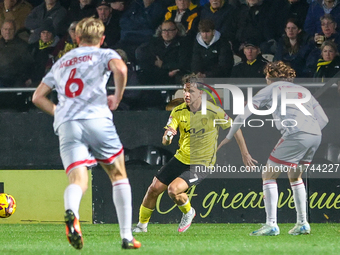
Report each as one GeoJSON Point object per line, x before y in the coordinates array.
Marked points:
{"type": "Point", "coordinates": [68, 42]}
{"type": "Point", "coordinates": [111, 22]}
{"type": "Point", "coordinates": [290, 48]}
{"type": "Point", "coordinates": [212, 56]}
{"type": "Point", "coordinates": [254, 63]}
{"type": "Point", "coordinates": [131, 98]}
{"type": "Point", "coordinates": [80, 9]}
{"type": "Point", "coordinates": [316, 10]}
{"type": "Point", "coordinates": [16, 10]}
{"type": "Point", "coordinates": [44, 51]}
{"type": "Point", "coordinates": [186, 13]}
{"type": "Point", "coordinates": [329, 64]}
{"type": "Point", "coordinates": [167, 57]}
{"type": "Point", "coordinates": [224, 17]}
{"type": "Point", "coordinates": [138, 24]}
{"type": "Point", "coordinates": [49, 10]}
{"type": "Point", "coordinates": [253, 22]}
{"type": "Point", "coordinates": [329, 33]}
{"type": "Point", "coordinates": [16, 61]}
{"type": "Point", "coordinates": [282, 10]}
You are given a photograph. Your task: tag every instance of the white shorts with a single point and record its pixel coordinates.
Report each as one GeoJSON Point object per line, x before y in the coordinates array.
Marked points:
{"type": "Point", "coordinates": [298, 148]}
{"type": "Point", "coordinates": [86, 142]}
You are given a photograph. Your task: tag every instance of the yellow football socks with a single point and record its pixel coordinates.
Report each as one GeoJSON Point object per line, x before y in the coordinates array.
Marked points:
{"type": "Point", "coordinates": [185, 208]}
{"type": "Point", "coordinates": [144, 214]}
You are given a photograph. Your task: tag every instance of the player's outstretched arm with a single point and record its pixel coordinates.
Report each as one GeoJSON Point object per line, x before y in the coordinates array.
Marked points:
{"type": "Point", "coordinates": [119, 69]}
{"type": "Point", "coordinates": [168, 135]}
{"type": "Point", "coordinates": [41, 101]}
{"type": "Point", "coordinates": [246, 157]}
{"type": "Point", "coordinates": [224, 141]}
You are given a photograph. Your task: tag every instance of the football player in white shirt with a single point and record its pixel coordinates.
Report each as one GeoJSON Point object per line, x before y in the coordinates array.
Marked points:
{"type": "Point", "coordinates": [83, 122]}
{"type": "Point", "coordinates": [301, 137]}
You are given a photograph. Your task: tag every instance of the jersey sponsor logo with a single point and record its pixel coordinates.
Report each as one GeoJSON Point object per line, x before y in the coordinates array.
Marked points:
{"type": "Point", "coordinates": [193, 131]}
{"type": "Point", "coordinates": [75, 60]}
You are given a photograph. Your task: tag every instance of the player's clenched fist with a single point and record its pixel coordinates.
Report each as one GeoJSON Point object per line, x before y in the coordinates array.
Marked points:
{"type": "Point", "coordinates": [168, 135]}
{"type": "Point", "coordinates": [112, 102]}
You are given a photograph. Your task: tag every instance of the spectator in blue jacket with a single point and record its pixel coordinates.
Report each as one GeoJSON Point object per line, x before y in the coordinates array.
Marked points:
{"type": "Point", "coordinates": [316, 10]}
{"type": "Point", "coordinates": [329, 33]}
{"type": "Point", "coordinates": [282, 10]}
{"type": "Point", "coordinates": [291, 46]}
{"type": "Point", "coordinates": [138, 24]}
{"type": "Point", "coordinates": [224, 17]}
{"type": "Point", "coordinates": [254, 22]}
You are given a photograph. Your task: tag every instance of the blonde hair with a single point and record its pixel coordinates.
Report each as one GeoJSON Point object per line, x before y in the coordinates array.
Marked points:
{"type": "Point", "coordinates": [90, 30]}
{"type": "Point", "coordinates": [279, 71]}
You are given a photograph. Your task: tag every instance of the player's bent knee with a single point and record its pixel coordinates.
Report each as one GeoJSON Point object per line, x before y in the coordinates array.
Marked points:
{"type": "Point", "coordinates": [174, 191]}
{"type": "Point", "coordinates": [154, 190]}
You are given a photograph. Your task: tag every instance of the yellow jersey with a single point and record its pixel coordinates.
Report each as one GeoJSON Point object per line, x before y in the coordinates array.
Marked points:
{"type": "Point", "coordinates": [198, 133]}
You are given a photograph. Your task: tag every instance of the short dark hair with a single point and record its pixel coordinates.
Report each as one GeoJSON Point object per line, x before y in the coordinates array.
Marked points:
{"type": "Point", "coordinates": [206, 25]}
{"type": "Point", "coordinates": [12, 21]}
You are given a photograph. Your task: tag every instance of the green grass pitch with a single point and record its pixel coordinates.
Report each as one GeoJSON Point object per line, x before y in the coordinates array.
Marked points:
{"type": "Point", "coordinates": [209, 239]}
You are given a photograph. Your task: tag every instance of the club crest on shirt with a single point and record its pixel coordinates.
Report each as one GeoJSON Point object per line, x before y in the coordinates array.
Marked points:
{"type": "Point", "coordinates": [204, 121]}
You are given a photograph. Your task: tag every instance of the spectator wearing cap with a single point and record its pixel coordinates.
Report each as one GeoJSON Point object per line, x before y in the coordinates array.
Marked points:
{"type": "Point", "coordinates": [16, 10]}
{"type": "Point", "coordinates": [44, 51]}
{"type": "Point", "coordinates": [49, 10]}
{"type": "Point", "coordinates": [138, 24]}
{"type": "Point", "coordinates": [316, 10]}
{"type": "Point", "coordinates": [224, 17]}
{"type": "Point", "coordinates": [212, 56]}
{"type": "Point", "coordinates": [111, 22]}
{"type": "Point", "coordinates": [80, 9]}
{"type": "Point", "coordinates": [186, 13]}
{"type": "Point", "coordinates": [253, 64]}
{"type": "Point", "coordinates": [16, 61]}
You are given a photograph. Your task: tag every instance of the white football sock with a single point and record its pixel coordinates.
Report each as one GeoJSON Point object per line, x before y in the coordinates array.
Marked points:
{"type": "Point", "coordinates": [72, 198]}
{"type": "Point", "coordinates": [270, 197]}
{"type": "Point", "coordinates": [299, 194]}
{"type": "Point", "coordinates": [121, 192]}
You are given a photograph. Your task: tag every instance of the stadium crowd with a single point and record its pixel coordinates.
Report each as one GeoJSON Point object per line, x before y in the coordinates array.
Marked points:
{"type": "Point", "coordinates": [162, 40]}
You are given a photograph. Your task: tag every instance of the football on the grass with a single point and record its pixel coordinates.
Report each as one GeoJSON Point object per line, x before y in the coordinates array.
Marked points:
{"type": "Point", "coordinates": [7, 205]}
